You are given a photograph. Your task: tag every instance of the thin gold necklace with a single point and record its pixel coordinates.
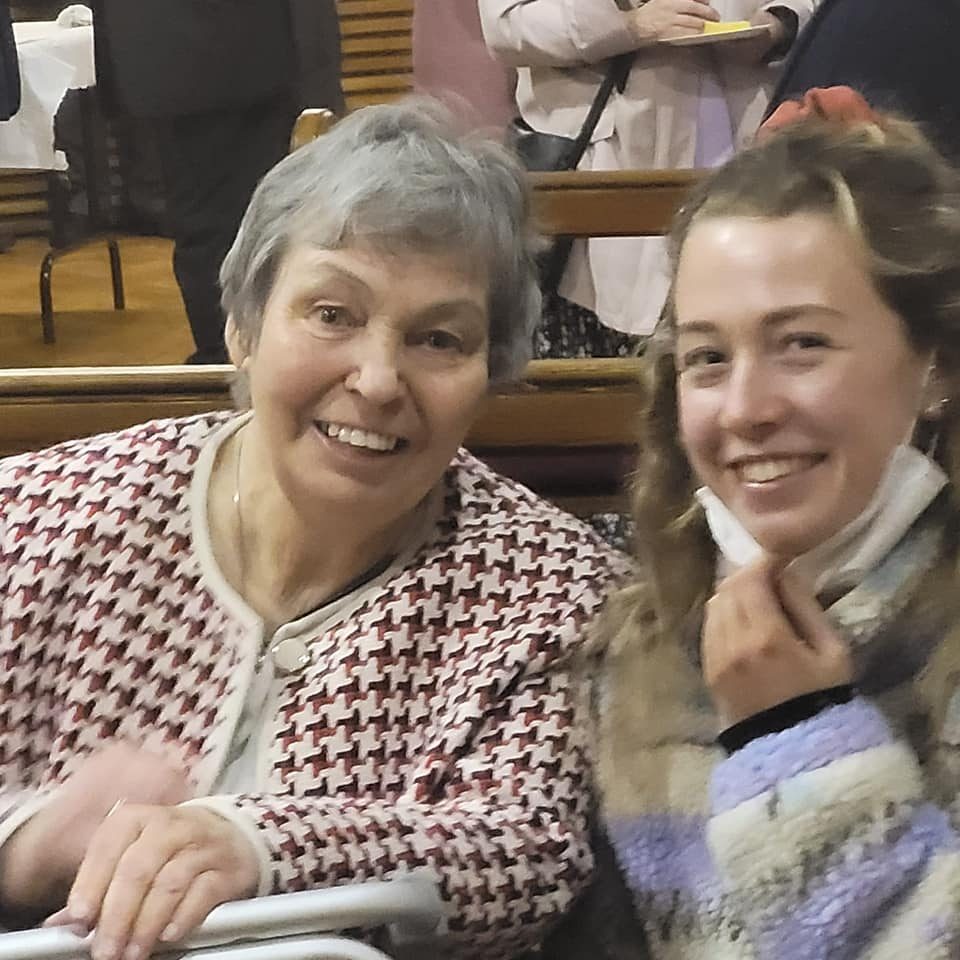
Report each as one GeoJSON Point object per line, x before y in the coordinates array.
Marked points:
{"type": "Point", "coordinates": [238, 517]}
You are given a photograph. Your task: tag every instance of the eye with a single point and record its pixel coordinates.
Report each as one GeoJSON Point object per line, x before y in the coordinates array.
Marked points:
{"type": "Point", "coordinates": [442, 340]}
{"type": "Point", "coordinates": [701, 357]}
{"type": "Point", "coordinates": [329, 315]}
{"type": "Point", "coordinates": [805, 341]}
{"type": "Point", "coordinates": [330, 319]}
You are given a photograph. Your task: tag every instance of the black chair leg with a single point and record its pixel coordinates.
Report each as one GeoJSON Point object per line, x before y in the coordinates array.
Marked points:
{"type": "Point", "coordinates": [116, 275]}
{"type": "Point", "coordinates": [46, 297]}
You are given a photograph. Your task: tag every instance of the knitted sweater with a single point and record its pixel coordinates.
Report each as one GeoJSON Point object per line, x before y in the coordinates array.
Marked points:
{"type": "Point", "coordinates": [434, 724]}
{"type": "Point", "coordinates": [831, 840]}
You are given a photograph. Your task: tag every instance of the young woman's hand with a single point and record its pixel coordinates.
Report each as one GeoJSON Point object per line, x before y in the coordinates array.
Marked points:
{"type": "Point", "coordinates": [153, 873]}
{"type": "Point", "coordinates": [668, 19]}
{"type": "Point", "coordinates": [766, 640]}
{"type": "Point", "coordinates": [40, 861]}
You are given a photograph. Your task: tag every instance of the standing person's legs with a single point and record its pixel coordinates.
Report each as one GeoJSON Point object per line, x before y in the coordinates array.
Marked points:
{"type": "Point", "coordinates": [211, 164]}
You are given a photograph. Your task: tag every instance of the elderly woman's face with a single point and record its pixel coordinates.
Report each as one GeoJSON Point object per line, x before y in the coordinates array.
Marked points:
{"type": "Point", "coordinates": [795, 380]}
{"type": "Point", "coordinates": [369, 370]}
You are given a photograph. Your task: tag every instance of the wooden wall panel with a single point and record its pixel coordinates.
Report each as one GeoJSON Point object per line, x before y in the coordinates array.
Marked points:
{"type": "Point", "coordinates": [23, 203]}
{"type": "Point", "coordinates": [377, 62]}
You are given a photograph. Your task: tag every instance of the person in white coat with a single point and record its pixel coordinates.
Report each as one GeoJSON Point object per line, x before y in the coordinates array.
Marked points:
{"type": "Point", "coordinates": [681, 107]}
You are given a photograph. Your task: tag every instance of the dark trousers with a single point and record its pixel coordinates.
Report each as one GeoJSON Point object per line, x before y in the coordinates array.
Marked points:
{"type": "Point", "coordinates": [9, 71]}
{"type": "Point", "coordinates": [211, 164]}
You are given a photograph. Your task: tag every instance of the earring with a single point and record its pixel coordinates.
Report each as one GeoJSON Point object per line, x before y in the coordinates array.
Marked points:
{"type": "Point", "coordinates": [929, 427]}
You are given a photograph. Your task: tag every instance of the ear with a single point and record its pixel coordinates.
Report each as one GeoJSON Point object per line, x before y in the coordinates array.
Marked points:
{"type": "Point", "coordinates": [236, 348]}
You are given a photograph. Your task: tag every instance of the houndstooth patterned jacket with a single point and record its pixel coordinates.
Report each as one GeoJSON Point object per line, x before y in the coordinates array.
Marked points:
{"type": "Point", "coordinates": [433, 726]}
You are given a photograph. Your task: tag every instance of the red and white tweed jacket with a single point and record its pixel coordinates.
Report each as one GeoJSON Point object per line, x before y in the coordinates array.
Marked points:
{"type": "Point", "coordinates": [434, 725]}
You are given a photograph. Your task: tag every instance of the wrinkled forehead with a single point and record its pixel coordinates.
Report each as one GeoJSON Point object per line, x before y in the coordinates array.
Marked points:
{"type": "Point", "coordinates": [469, 256]}
{"type": "Point", "coordinates": [303, 259]}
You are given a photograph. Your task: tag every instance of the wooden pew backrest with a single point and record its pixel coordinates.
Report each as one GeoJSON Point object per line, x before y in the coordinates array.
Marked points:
{"type": "Point", "coordinates": [566, 430]}
{"type": "Point", "coordinates": [623, 203]}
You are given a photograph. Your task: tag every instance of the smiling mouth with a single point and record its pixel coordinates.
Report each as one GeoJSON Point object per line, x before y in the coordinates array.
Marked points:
{"type": "Point", "coordinates": [361, 439]}
{"type": "Point", "coordinates": [773, 468]}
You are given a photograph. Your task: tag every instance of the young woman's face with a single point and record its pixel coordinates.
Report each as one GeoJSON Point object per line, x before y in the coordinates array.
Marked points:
{"type": "Point", "coordinates": [795, 380]}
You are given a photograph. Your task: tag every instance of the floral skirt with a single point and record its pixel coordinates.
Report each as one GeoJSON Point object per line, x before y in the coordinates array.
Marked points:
{"type": "Point", "coordinates": [570, 331]}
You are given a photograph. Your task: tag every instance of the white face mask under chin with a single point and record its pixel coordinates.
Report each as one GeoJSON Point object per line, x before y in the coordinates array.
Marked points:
{"type": "Point", "coordinates": [908, 487]}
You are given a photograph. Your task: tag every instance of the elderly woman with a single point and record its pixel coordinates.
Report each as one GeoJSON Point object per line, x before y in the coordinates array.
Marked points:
{"type": "Point", "coordinates": [316, 642]}
{"type": "Point", "coordinates": [779, 705]}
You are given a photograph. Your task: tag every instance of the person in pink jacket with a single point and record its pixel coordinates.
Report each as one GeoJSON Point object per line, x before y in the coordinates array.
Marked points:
{"type": "Point", "coordinates": [450, 59]}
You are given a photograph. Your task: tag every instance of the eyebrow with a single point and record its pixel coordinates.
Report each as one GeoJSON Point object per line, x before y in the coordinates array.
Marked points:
{"type": "Point", "coordinates": [458, 305]}
{"type": "Point", "coordinates": [330, 271]}
{"type": "Point", "coordinates": [775, 318]}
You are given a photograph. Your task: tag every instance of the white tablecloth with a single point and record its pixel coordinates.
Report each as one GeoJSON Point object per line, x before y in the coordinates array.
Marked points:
{"type": "Point", "coordinates": [53, 60]}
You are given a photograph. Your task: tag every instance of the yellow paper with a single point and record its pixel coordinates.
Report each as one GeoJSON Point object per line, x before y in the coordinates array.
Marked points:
{"type": "Point", "coordinates": [725, 26]}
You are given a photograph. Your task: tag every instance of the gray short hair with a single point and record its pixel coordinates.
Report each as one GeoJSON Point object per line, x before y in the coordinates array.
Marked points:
{"type": "Point", "coordinates": [399, 178]}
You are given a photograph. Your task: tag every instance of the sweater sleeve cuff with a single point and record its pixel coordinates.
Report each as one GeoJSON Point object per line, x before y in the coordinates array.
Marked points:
{"type": "Point", "coordinates": [783, 716]}
{"type": "Point", "coordinates": [15, 816]}
{"type": "Point", "coordinates": [225, 808]}
{"type": "Point", "coordinates": [600, 31]}
{"type": "Point", "coordinates": [791, 27]}
{"type": "Point", "coordinates": [834, 733]}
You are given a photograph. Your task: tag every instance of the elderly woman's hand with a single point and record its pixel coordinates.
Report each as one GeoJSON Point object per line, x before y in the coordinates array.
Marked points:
{"type": "Point", "coordinates": [766, 640]}
{"type": "Point", "coordinates": [668, 19]}
{"type": "Point", "coordinates": [154, 873]}
{"type": "Point", "coordinates": [40, 861]}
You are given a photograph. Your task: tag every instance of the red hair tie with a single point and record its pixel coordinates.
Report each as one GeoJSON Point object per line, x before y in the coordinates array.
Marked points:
{"type": "Point", "coordinates": [840, 104]}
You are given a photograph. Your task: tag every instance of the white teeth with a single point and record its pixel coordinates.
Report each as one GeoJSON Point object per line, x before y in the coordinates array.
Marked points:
{"type": "Point", "coordinates": [359, 438]}
{"type": "Point", "coordinates": [764, 471]}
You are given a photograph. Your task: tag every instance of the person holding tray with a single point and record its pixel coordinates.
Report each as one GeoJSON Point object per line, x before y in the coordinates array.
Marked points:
{"type": "Point", "coordinates": [681, 106]}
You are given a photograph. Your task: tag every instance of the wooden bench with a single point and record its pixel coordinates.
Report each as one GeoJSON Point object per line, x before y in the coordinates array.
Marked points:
{"type": "Point", "coordinates": [566, 430]}
{"type": "Point", "coordinates": [625, 203]}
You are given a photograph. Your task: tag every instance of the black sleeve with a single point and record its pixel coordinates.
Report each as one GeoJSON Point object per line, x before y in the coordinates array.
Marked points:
{"type": "Point", "coordinates": [783, 716]}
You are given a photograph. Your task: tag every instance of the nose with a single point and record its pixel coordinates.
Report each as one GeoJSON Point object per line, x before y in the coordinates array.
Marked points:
{"type": "Point", "coordinates": [754, 401]}
{"type": "Point", "coordinates": [376, 374]}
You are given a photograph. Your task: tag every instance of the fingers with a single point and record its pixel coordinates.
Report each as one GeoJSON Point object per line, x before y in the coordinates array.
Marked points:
{"type": "Point", "coordinates": [752, 592]}
{"type": "Point", "coordinates": [766, 640]}
{"type": "Point", "coordinates": [108, 844]}
{"type": "Point", "coordinates": [688, 22]}
{"type": "Point", "coordinates": [154, 873]}
{"type": "Point", "coordinates": [805, 613]}
{"type": "Point", "coordinates": [149, 870]}
{"type": "Point", "coordinates": [205, 893]}
{"type": "Point", "coordinates": [744, 624]}
{"type": "Point", "coordinates": [695, 8]}
{"type": "Point", "coordinates": [182, 892]}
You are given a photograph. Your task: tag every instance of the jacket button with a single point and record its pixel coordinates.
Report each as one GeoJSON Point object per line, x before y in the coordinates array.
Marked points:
{"type": "Point", "coordinates": [290, 655]}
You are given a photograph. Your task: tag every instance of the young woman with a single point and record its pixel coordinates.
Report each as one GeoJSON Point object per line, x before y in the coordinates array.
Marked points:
{"type": "Point", "coordinates": [778, 712]}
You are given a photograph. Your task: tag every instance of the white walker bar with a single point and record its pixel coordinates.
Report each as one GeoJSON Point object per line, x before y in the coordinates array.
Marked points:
{"type": "Point", "coordinates": [282, 927]}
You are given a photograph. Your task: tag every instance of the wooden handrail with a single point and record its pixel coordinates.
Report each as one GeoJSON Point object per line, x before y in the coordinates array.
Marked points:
{"type": "Point", "coordinates": [566, 429]}
{"type": "Point", "coordinates": [214, 379]}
